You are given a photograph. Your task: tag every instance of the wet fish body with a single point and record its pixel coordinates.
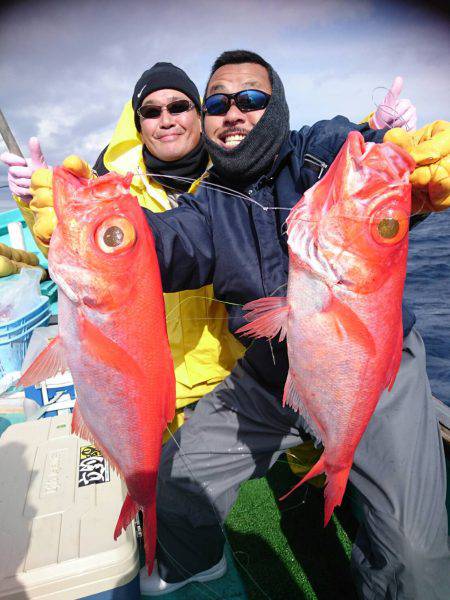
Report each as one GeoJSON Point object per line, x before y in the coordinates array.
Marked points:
{"type": "Point", "coordinates": [112, 334]}
{"type": "Point", "coordinates": [342, 317]}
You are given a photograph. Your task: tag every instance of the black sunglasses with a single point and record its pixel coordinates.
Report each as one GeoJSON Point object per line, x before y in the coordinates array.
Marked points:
{"type": "Point", "coordinates": [245, 100]}
{"type": "Point", "coordinates": [148, 111]}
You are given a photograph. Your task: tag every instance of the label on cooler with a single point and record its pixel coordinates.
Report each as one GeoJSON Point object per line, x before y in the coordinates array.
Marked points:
{"type": "Point", "coordinates": [92, 467]}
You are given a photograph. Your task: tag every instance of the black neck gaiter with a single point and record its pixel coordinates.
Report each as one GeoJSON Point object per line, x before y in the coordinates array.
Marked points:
{"type": "Point", "coordinates": [254, 156]}
{"type": "Point", "coordinates": [192, 166]}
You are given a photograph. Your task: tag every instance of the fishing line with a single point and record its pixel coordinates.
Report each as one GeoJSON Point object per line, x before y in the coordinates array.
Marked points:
{"type": "Point", "coordinates": [389, 109]}
{"type": "Point", "coordinates": [224, 189]}
{"type": "Point", "coordinates": [414, 142]}
{"type": "Point", "coordinates": [203, 486]}
{"type": "Point", "coordinates": [204, 298]}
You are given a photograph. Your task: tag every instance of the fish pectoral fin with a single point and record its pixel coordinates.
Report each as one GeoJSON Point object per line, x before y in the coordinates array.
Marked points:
{"type": "Point", "coordinates": [349, 325]}
{"type": "Point", "coordinates": [292, 398]}
{"type": "Point", "coordinates": [267, 317]}
{"type": "Point", "coordinates": [105, 350]}
{"type": "Point", "coordinates": [48, 363]}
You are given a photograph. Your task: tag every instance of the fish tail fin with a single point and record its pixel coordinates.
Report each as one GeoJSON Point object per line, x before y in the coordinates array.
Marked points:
{"type": "Point", "coordinates": [334, 492]}
{"type": "Point", "coordinates": [316, 469]}
{"type": "Point", "coordinates": [267, 317]}
{"type": "Point", "coordinates": [149, 514]}
{"type": "Point", "coordinates": [127, 514]}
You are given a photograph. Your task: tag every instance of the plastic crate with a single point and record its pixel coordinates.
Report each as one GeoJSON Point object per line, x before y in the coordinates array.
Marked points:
{"type": "Point", "coordinates": [51, 397]}
{"type": "Point", "coordinates": [24, 328]}
{"type": "Point", "coordinates": [13, 347]}
{"type": "Point", "coordinates": [15, 325]}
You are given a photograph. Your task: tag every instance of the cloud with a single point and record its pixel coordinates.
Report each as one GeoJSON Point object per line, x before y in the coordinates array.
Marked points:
{"type": "Point", "coordinates": [77, 63]}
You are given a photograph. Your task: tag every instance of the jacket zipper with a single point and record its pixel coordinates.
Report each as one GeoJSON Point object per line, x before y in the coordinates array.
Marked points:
{"type": "Point", "coordinates": [317, 162]}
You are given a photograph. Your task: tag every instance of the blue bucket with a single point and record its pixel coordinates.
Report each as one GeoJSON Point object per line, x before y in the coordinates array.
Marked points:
{"type": "Point", "coordinates": [24, 327]}
{"type": "Point", "coordinates": [14, 325]}
{"type": "Point", "coordinates": [13, 345]}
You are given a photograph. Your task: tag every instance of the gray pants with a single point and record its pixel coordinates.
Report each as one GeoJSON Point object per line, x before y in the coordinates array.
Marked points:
{"type": "Point", "coordinates": [239, 430]}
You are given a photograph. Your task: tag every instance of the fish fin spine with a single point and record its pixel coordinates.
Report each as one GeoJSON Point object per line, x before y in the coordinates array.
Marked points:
{"type": "Point", "coordinates": [292, 398]}
{"type": "Point", "coordinates": [48, 363]}
{"type": "Point", "coordinates": [80, 429]}
{"type": "Point", "coordinates": [128, 512]}
{"type": "Point", "coordinates": [317, 469]}
{"type": "Point", "coordinates": [149, 517]}
{"type": "Point", "coordinates": [334, 491]}
{"type": "Point", "coordinates": [267, 317]}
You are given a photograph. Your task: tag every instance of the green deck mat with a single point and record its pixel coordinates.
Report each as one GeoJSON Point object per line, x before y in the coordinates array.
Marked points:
{"type": "Point", "coordinates": [282, 548]}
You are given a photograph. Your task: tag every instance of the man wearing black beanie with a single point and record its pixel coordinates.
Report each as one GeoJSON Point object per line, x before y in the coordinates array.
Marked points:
{"type": "Point", "coordinates": [172, 146]}
{"type": "Point", "coordinates": [158, 137]}
{"type": "Point", "coordinates": [239, 429]}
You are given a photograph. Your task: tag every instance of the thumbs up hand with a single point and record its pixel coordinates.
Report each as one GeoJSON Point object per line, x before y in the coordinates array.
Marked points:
{"type": "Point", "coordinates": [21, 169]}
{"type": "Point", "coordinates": [395, 111]}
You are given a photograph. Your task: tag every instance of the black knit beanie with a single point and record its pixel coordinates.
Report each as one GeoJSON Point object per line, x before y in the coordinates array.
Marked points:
{"type": "Point", "coordinates": [163, 76]}
{"type": "Point", "coordinates": [253, 156]}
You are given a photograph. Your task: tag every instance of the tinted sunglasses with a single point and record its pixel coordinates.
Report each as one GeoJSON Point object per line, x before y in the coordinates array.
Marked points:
{"type": "Point", "coordinates": [148, 111]}
{"type": "Point", "coordinates": [246, 101]}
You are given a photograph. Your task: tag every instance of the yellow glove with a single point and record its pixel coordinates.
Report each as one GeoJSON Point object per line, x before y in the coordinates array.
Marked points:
{"type": "Point", "coordinates": [42, 202]}
{"type": "Point", "coordinates": [430, 148]}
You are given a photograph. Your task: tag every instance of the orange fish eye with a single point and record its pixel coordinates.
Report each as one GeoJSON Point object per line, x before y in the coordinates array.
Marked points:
{"type": "Point", "coordinates": [389, 226]}
{"type": "Point", "coordinates": [115, 235]}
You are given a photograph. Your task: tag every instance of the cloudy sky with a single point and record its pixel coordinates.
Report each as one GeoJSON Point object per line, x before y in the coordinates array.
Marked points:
{"type": "Point", "coordinates": [67, 68]}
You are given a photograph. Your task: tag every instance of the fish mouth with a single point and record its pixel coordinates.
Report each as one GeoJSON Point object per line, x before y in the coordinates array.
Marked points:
{"type": "Point", "coordinates": [64, 286]}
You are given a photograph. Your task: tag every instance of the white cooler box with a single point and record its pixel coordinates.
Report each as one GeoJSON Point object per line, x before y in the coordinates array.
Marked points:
{"type": "Point", "coordinates": [59, 503]}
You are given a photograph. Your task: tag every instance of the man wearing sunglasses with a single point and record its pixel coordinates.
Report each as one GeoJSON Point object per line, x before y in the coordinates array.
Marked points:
{"type": "Point", "coordinates": [158, 137]}
{"type": "Point", "coordinates": [239, 430]}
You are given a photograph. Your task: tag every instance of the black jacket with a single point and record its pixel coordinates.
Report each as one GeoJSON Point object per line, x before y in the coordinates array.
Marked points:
{"type": "Point", "coordinates": [226, 240]}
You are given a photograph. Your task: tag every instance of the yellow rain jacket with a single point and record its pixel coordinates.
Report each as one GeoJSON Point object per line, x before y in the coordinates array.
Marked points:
{"type": "Point", "coordinates": [203, 349]}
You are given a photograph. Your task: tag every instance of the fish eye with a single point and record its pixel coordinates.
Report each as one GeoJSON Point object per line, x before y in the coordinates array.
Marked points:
{"type": "Point", "coordinates": [389, 226]}
{"type": "Point", "coordinates": [115, 235]}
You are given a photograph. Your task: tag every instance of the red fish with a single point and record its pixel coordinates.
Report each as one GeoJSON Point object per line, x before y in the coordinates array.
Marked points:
{"type": "Point", "coordinates": [112, 334]}
{"type": "Point", "coordinates": [342, 317]}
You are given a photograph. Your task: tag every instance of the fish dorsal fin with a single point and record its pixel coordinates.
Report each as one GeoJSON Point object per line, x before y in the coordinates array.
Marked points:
{"type": "Point", "coordinates": [349, 325]}
{"type": "Point", "coordinates": [267, 317]}
{"type": "Point", "coordinates": [105, 350]}
{"type": "Point", "coordinates": [291, 398]}
{"type": "Point", "coordinates": [48, 363]}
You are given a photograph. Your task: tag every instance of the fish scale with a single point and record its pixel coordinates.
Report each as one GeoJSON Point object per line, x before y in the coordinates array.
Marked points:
{"type": "Point", "coordinates": [112, 334]}
{"type": "Point", "coordinates": [342, 317]}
